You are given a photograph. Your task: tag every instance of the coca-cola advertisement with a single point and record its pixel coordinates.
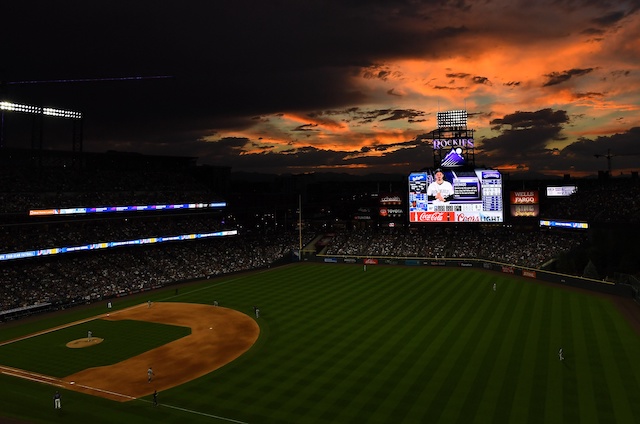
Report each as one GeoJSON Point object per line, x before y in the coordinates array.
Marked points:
{"type": "Point", "coordinates": [432, 217]}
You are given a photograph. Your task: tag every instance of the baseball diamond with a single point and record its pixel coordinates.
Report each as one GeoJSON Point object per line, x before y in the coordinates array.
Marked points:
{"type": "Point", "coordinates": [218, 336]}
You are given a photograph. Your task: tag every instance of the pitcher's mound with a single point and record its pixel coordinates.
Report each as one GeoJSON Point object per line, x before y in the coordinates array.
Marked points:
{"type": "Point", "coordinates": [85, 342]}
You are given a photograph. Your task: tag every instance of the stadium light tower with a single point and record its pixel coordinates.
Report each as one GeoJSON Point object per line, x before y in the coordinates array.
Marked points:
{"type": "Point", "coordinates": [59, 113]}
{"type": "Point", "coordinates": [40, 112]}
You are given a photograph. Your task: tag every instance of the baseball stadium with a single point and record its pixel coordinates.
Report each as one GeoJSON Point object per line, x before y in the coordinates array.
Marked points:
{"type": "Point", "coordinates": [165, 293]}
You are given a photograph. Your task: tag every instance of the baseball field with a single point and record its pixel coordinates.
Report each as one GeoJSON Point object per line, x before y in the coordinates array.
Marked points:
{"type": "Point", "coordinates": [333, 344]}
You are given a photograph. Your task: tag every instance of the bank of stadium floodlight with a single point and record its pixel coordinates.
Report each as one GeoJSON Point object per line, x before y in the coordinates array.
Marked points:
{"type": "Point", "coordinates": [38, 110]}
{"type": "Point", "coordinates": [452, 119]}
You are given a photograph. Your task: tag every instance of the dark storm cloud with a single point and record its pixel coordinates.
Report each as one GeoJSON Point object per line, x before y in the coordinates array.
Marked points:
{"type": "Point", "coordinates": [465, 76]}
{"type": "Point", "coordinates": [609, 19]}
{"type": "Point", "coordinates": [401, 157]}
{"type": "Point", "coordinates": [306, 127]}
{"type": "Point", "coordinates": [545, 118]}
{"type": "Point", "coordinates": [523, 138]}
{"type": "Point", "coordinates": [398, 114]}
{"type": "Point", "coordinates": [444, 87]}
{"type": "Point", "coordinates": [588, 95]}
{"type": "Point", "coordinates": [481, 80]}
{"type": "Point", "coordinates": [366, 116]}
{"type": "Point", "coordinates": [460, 75]}
{"type": "Point", "coordinates": [560, 77]}
{"type": "Point", "coordinates": [621, 150]}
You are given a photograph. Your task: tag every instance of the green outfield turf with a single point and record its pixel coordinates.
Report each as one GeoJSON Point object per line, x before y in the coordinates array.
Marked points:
{"type": "Point", "coordinates": [385, 345]}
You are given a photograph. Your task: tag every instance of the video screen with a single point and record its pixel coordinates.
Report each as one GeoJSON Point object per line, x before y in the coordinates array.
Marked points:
{"type": "Point", "coordinates": [561, 191]}
{"type": "Point", "coordinates": [108, 209]}
{"type": "Point", "coordinates": [453, 195]}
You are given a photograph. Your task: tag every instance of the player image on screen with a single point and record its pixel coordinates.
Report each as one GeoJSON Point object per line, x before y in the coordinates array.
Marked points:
{"type": "Point", "coordinates": [440, 191]}
{"type": "Point", "coordinates": [455, 195]}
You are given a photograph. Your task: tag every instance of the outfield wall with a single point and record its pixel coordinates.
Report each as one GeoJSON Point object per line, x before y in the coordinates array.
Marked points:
{"type": "Point", "coordinates": [534, 274]}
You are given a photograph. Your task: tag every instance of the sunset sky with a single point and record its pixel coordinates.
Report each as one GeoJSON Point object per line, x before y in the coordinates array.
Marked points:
{"type": "Point", "coordinates": [293, 86]}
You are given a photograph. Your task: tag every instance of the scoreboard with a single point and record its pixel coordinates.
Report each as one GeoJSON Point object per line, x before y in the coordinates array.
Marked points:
{"type": "Point", "coordinates": [476, 196]}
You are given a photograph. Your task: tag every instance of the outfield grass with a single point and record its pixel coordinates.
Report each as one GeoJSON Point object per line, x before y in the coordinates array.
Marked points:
{"type": "Point", "coordinates": [389, 345]}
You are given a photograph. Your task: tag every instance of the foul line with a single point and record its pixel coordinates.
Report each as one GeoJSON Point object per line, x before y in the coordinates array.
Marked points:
{"type": "Point", "coordinates": [67, 325]}
{"type": "Point", "coordinates": [198, 413]}
{"type": "Point", "coordinates": [36, 379]}
{"type": "Point", "coordinates": [39, 378]}
{"type": "Point", "coordinates": [208, 287]}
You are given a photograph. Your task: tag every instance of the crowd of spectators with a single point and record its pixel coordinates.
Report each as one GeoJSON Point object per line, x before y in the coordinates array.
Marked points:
{"type": "Point", "coordinates": [90, 276]}
{"type": "Point", "coordinates": [525, 248]}
{"type": "Point", "coordinates": [75, 232]}
{"type": "Point", "coordinates": [26, 189]}
{"type": "Point", "coordinates": [616, 201]}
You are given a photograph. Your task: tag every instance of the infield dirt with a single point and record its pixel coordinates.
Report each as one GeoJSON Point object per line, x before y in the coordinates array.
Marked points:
{"type": "Point", "coordinates": [218, 336]}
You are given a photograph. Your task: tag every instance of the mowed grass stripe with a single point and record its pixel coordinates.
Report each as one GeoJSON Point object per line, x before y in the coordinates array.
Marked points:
{"type": "Point", "coordinates": [323, 367]}
{"type": "Point", "coordinates": [413, 333]}
{"type": "Point", "coordinates": [543, 356]}
{"type": "Point", "coordinates": [581, 357]}
{"type": "Point", "coordinates": [527, 380]}
{"type": "Point", "coordinates": [495, 394]}
{"type": "Point", "coordinates": [571, 390]}
{"type": "Point", "coordinates": [447, 353]}
{"type": "Point", "coordinates": [324, 346]}
{"type": "Point", "coordinates": [366, 378]}
{"type": "Point", "coordinates": [414, 338]}
{"type": "Point", "coordinates": [463, 352]}
{"type": "Point", "coordinates": [619, 331]}
{"type": "Point", "coordinates": [414, 391]}
{"type": "Point", "coordinates": [611, 394]}
{"type": "Point", "coordinates": [558, 372]}
{"type": "Point", "coordinates": [495, 322]}
{"type": "Point", "coordinates": [466, 398]}
{"type": "Point", "coordinates": [365, 353]}
{"type": "Point", "coordinates": [512, 351]}
{"type": "Point", "coordinates": [375, 317]}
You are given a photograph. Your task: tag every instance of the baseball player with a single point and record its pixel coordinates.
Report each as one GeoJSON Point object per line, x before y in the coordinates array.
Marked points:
{"type": "Point", "coordinates": [150, 375]}
{"type": "Point", "coordinates": [57, 402]}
